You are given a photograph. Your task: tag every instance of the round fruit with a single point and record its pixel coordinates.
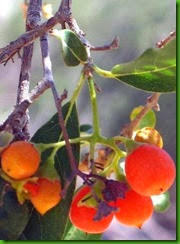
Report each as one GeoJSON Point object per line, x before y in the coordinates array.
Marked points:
{"type": "Point", "coordinates": [134, 209]}
{"type": "Point", "coordinates": [82, 216]}
{"type": "Point", "coordinates": [20, 160]}
{"type": "Point", "coordinates": [149, 170]}
{"type": "Point", "coordinates": [44, 195]}
{"type": "Point", "coordinates": [150, 136]}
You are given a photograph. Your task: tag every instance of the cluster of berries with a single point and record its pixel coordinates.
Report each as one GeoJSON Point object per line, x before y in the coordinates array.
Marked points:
{"type": "Point", "coordinates": [19, 162]}
{"type": "Point", "coordinates": [149, 171]}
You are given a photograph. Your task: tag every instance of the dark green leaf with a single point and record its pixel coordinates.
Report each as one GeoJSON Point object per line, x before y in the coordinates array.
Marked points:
{"type": "Point", "coordinates": [86, 128]}
{"type": "Point", "coordinates": [51, 226]}
{"type": "Point", "coordinates": [153, 71]}
{"type": "Point", "coordinates": [22, 238]}
{"type": "Point", "coordinates": [149, 120]}
{"type": "Point", "coordinates": [76, 234]}
{"type": "Point", "coordinates": [161, 202]}
{"type": "Point", "coordinates": [73, 50]}
{"type": "Point", "coordinates": [13, 216]}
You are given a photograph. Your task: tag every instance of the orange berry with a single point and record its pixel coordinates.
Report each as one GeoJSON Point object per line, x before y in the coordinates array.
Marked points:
{"type": "Point", "coordinates": [45, 194]}
{"type": "Point", "coordinates": [150, 136]}
{"type": "Point", "coordinates": [134, 209]}
{"type": "Point", "coordinates": [149, 170]}
{"type": "Point", "coordinates": [82, 216]}
{"type": "Point", "coordinates": [20, 160]}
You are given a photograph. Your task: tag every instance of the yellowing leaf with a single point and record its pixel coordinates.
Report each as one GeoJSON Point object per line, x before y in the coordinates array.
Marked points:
{"type": "Point", "coordinates": [149, 120]}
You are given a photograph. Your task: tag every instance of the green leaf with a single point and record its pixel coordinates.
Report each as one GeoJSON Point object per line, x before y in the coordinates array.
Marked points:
{"type": "Point", "coordinates": [5, 139]}
{"type": "Point", "coordinates": [74, 52]}
{"type": "Point", "coordinates": [161, 202]}
{"type": "Point", "coordinates": [13, 216]}
{"type": "Point", "coordinates": [149, 120]}
{"type": "Point", "coordinates": [48, 171]}
{"type": "Point", "coordinates": [51, 226]}
{"type": "Point", "coordinates": [75, 234]}
{"type": "Point", "coordinates": [86, 128]}
{"type": "Point", "coordinates": [153, 71]}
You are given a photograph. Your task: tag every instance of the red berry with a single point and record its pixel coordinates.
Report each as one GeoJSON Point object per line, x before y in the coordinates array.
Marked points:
{"type": "Point", "coordinates": [45, 194]}
{"type": "Point", "coordinates": [32, 188]}
{"type": "Point", "coordinates": [82, 216]}
{"type": "Point", "coordinates": [134, 209]}
{"type": "Point", "coordinates": [149, 170]}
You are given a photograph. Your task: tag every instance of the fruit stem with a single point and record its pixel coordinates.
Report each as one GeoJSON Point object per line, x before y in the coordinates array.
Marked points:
{"type": "Point", "coordinates": [72, 102]}
{"type": "Point", "coordinates": [75, 96]}
{"type": "Point", "coordinates": [58, 145]}
{"type": "Point", "coordinates": [114, 166]}
{"type": "Point", "coordinates": [91, 153]}
{"type": "Point", "coordinates": [110, 168]}
{"type": "Point", "coordinates": [110, 142]}
{"type": "Point", "coordinates": [94, 106]}
{"type": "Point", "coordinates": [6, 177]}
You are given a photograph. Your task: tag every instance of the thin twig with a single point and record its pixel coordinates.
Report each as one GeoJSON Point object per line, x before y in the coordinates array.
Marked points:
{"type": "Point", "coordinates": [38, 90]}
{"type": "Point", "coordinates": [48, 77]}
{"type": "Point", "coordinates": [113, 45]}
{"type": "Point", "coordinates": [152, 102]}
{"type": "Point", "coordinates": [32, 21]}
{"type": "Point", "coordinates": [62, 16]}
{"type": "Point", "coordinates": [25, 39]}
{"type": "Point", "coordinates": [163, 42]}
{"type": "Point", "coordinates": [16, 121]}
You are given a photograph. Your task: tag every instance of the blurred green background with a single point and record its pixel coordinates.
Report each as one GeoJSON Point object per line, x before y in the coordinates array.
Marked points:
{"type": "Point", "coordinates": [139, 25]}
